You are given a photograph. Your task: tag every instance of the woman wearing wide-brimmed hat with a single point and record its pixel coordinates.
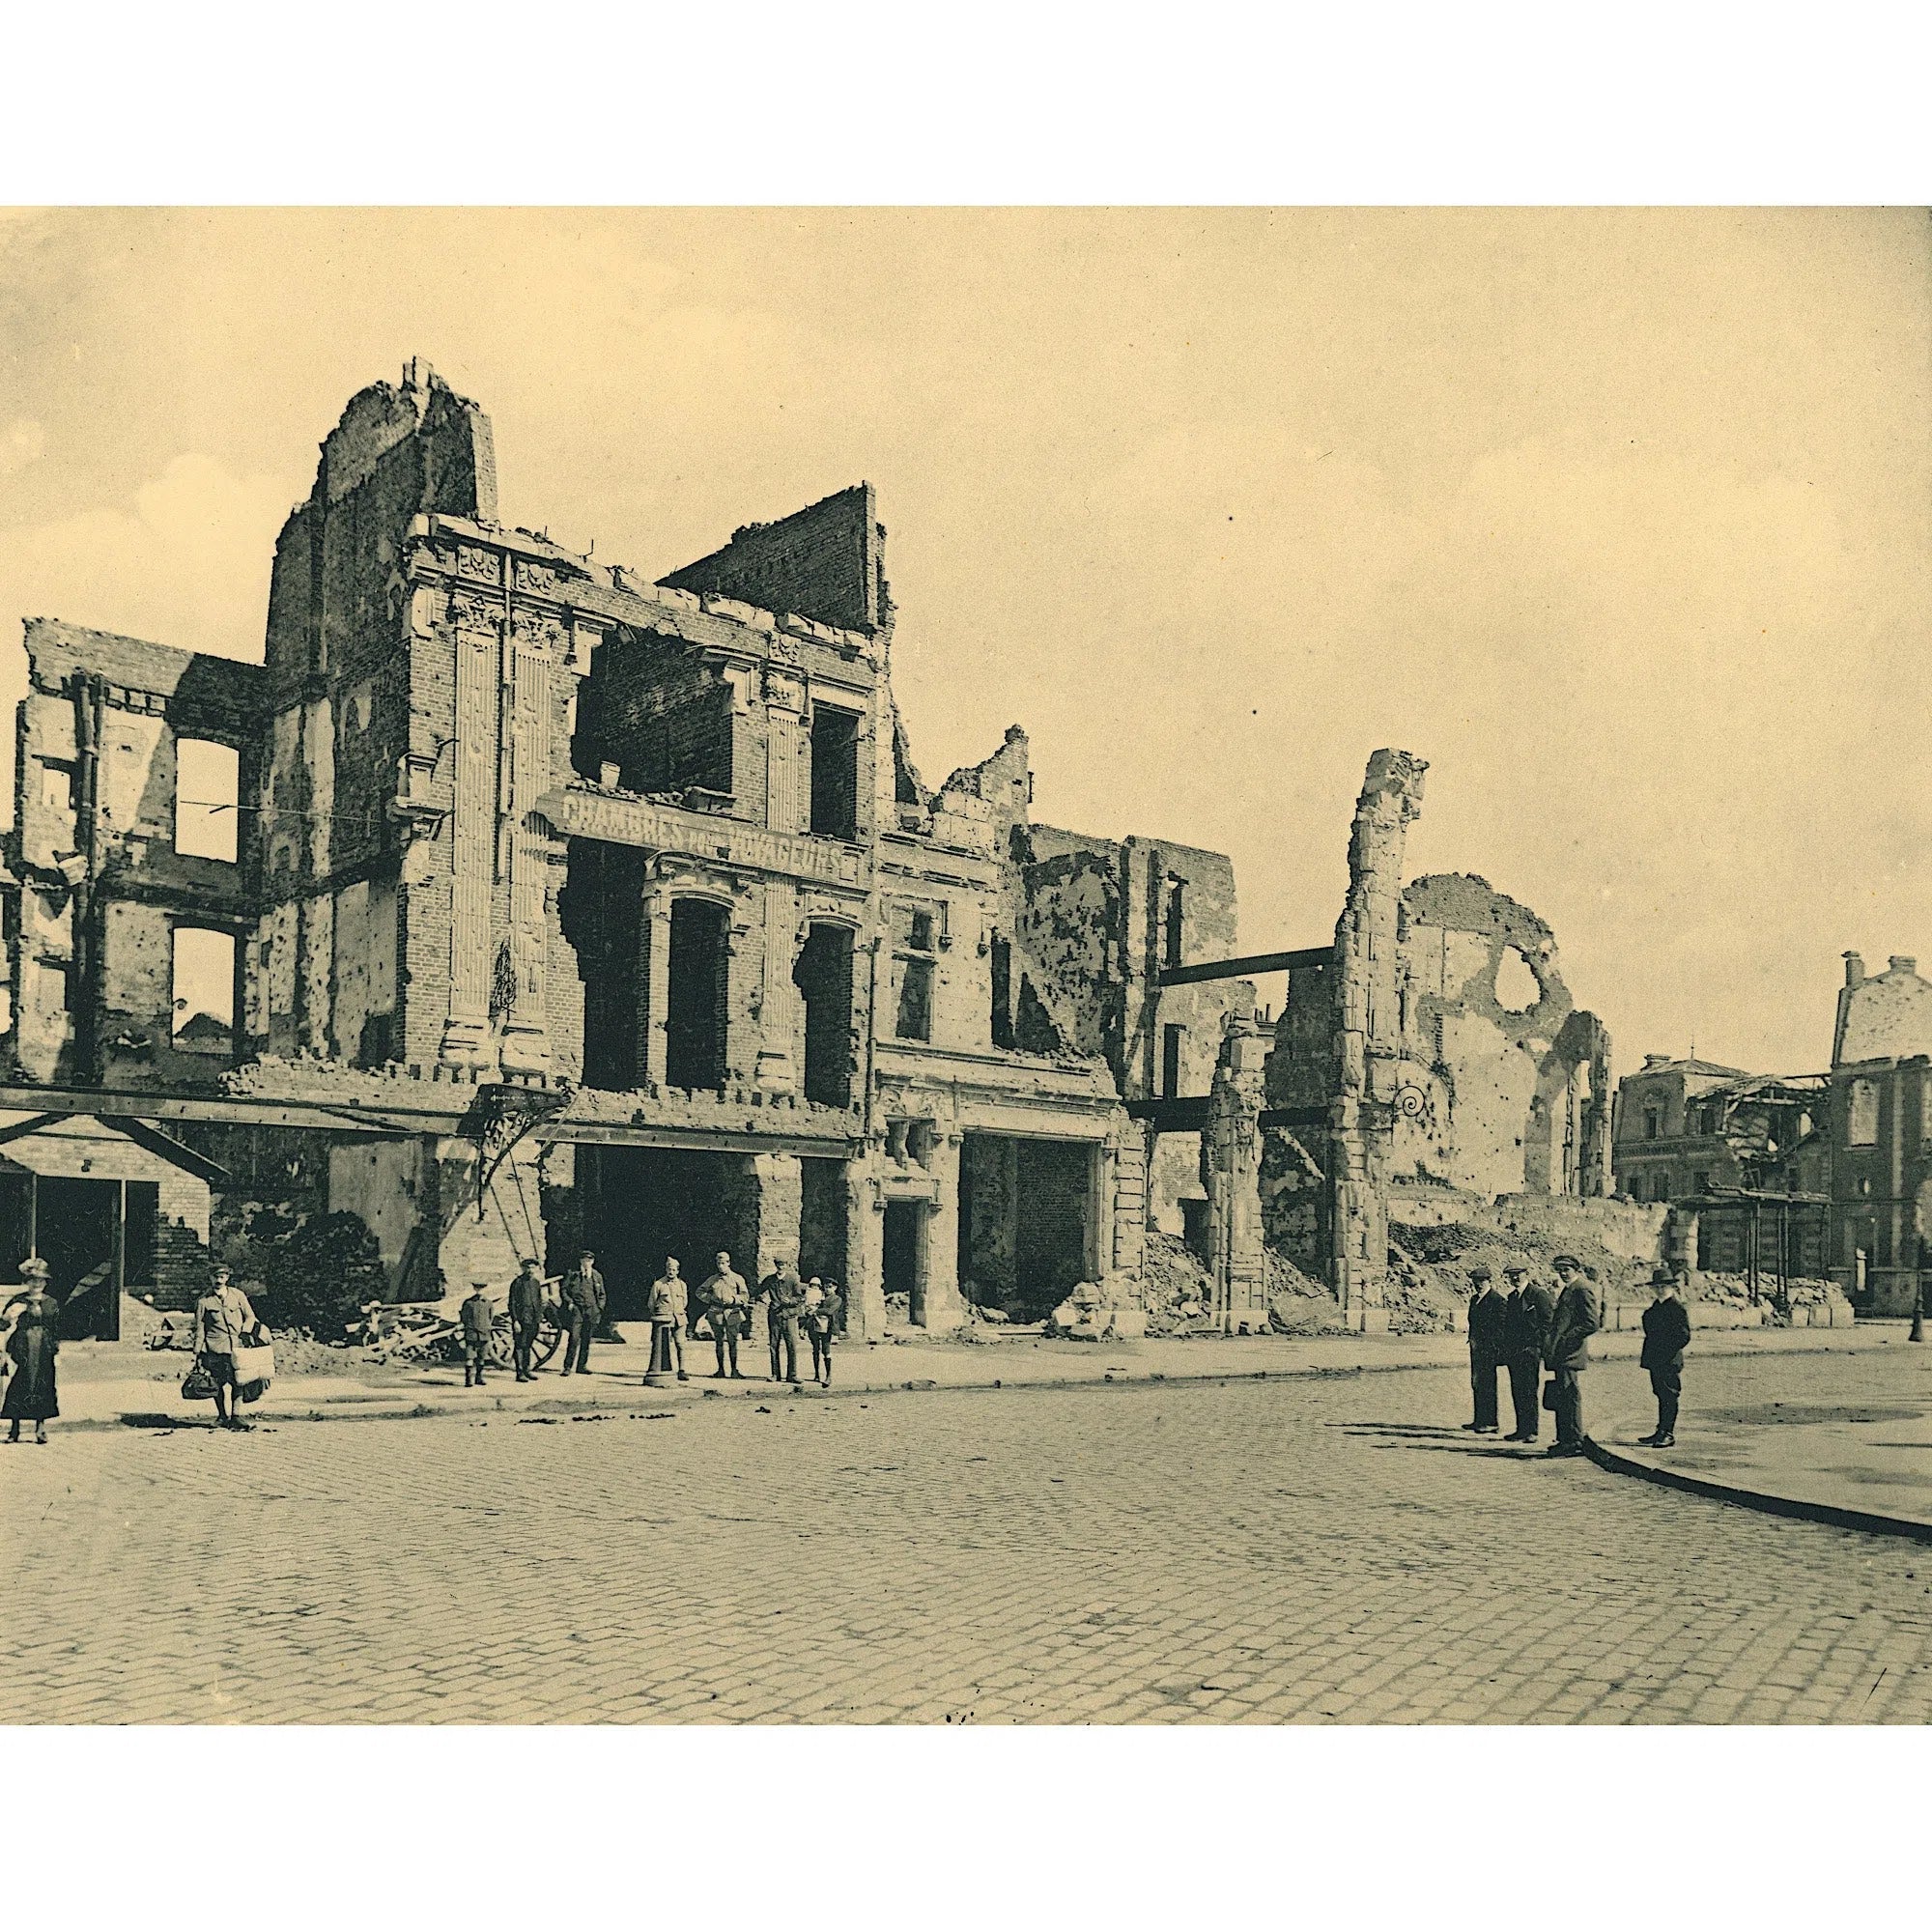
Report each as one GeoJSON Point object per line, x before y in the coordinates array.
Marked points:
{"type": "Point", "coordinates": [32, 1343]}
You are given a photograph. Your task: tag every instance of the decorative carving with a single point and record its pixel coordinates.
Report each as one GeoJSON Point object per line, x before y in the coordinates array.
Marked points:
{"type": "Point", "coordinates": [539, 579]}
{"type": "Point", "coordinates": [475, 616]}
{"type": "Point", "coordinates": [537, 631]}
{"type": "Point", "coordinates": [480, 566]}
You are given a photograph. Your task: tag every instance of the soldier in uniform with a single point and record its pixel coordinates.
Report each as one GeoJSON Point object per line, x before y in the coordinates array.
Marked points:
{"type": "Point", "coordinates": [1525, 1324]}
{"type": "Point", "coordinates": [727, 1301]}
{"type": "Point", "coordinates": [583, 1310]}
{"type": "Point", "coordinates": [1666, 1334]}
{"type": "Point", "coordinates": [1488, 1311]}
{"type": "Point", "coordinates": [1566, 1350]}
{"type": "Point", "coordinates": [671, 1301]}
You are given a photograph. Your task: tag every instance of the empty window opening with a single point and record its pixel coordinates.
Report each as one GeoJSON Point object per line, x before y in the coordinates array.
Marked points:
{"type": "Point", "coordinates": [1169, 1061]}
{"type": "Point", "coordinates": [1176, 920]}
{"type": "Point", "coordinates": [824, 976]}
{"type": "Point", "coordinates": [915, 1014]}
{"type": "Point", "coordinates": [921, 932]}
{"type": "Point", "coordinates": [834, 772]}
{"type": "Point", "coordinates": [208, 794]}
{"type": "Point", "coordinates": [56, 785]}
{"type": "Point", "coordinates": [1002, 993]}
{"type": "Point", "coordinates": [694, 1019]}
{"type": "Point", "coordinates": [204, 990]}
{"type": "Point", "coordinates": [1517, 988]}
{"type": "Point", "coordinates": [1652, 1122]}
{"type": "Point", "coordinates": [1862, 1126]}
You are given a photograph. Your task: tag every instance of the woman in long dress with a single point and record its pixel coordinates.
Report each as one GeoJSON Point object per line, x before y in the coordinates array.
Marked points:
{"type": "Point", "coordinates": [30, 1347]}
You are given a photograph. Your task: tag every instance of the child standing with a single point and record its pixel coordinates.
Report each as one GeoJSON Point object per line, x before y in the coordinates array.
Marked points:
{"type": "Point", "coordinates": [478, 1320]}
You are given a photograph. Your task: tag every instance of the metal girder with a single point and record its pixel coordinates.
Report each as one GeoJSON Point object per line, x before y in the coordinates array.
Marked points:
{"type": "Point", "coordinates": [1241, 969]}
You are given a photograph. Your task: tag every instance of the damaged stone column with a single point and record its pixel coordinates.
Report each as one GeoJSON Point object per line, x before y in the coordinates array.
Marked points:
{"type": "Point", "coordinates": [1231, 1158]}
{"type": "Point", "coordinates": [1368, 1043]}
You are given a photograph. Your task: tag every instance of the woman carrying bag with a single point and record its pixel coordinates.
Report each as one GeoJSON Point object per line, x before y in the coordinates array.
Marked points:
{"type": "Point", "coordinates": [31, 1348]}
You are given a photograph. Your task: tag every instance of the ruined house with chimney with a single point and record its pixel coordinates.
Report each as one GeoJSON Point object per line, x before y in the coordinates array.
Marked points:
{"type": "Point", "coordinates": [520, 906]}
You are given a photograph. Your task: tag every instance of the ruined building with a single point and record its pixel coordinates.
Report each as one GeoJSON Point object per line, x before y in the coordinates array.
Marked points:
{"type": "Point", "coordinates": [1432, 1050]}
{"type": "Point", "coordinates": [514, 904]}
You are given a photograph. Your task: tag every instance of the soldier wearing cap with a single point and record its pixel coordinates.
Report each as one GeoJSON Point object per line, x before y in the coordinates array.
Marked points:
{"type": "Point", "coordinates": [1525, 1324]}
{"type": "Point", "coordinates": [1488, 1311]}
{"type": "Point", "coordinates": [1566, 1351]}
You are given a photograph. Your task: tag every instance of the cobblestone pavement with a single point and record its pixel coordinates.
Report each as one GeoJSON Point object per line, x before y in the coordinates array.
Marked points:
{"type": "Point", "coordinates": [1306, 1550]}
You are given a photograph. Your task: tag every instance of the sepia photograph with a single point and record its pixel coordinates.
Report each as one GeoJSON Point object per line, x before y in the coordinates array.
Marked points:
{"type": "Point", "coordinates": [966, 966]}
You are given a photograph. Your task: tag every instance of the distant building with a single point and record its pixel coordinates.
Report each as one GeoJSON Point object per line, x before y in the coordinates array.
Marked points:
{"type": "Point", "coordinates": [1660, 1149]}
{"type": "Point", "coordinates": [1881, 1133]}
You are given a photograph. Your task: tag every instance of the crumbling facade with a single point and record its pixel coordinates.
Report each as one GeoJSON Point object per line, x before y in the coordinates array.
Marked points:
{"type": "Point", "coordinates": [517, 904]}
{"type": "Point", "coordinates": [1443, 1046]}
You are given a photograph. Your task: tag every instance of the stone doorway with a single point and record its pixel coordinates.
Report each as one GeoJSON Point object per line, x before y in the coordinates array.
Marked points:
{"type": "Point", "coordinates": [903, 1264]}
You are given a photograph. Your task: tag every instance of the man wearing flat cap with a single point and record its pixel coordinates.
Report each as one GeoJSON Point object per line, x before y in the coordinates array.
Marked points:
{"type": "Point", "coordinates": [1488, 1311]}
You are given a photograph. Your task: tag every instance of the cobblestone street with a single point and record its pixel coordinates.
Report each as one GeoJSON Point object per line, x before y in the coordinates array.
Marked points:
{"type": "Point", "coordinates": [1308, 1550]}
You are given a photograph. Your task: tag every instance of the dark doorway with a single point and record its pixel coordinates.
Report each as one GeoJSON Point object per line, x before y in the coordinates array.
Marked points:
{"type": "Point", "coordinates": [643, 1204]}
{"type": "Point", "coordinates": [834, 772]}
{"type": "Point", "coordinates": [1194, 1227]}
{"type": "Point", "coordinates": [824, 976]}
{"type": "Point", "coordinates": [79, 1227]}
{"type": "Point", "coordinates": [694, 1029]}
{"type": "Point", "coordinates": [1024, 1210]}
{"type": "Point", "coordinates": [904, 1258]}
{"type": "Point", "coordinates": [821, 1222]}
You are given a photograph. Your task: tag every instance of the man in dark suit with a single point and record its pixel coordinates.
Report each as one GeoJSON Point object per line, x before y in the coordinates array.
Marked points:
{"type": "Point", "coordinates": [582, 1312]}
{"type": "Point", "coordinates": [1666, 1334]}
{"type": "Point", "coordinates": [1487, 1314]}
{"type": "Point", "coordinates": [783, 1295]}
{"type": "Point", "coordinates": [527, 1295]}
{"type": "Point", "coordinates": [1566, 1350]}
{"type": "Point", "coordinates": [1526, 1323]}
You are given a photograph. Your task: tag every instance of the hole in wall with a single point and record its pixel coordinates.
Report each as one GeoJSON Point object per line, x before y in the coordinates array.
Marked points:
{"type": "Point", "coordinates": [1517, 990]}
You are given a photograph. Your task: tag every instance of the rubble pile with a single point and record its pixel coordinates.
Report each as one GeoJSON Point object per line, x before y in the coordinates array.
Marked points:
{"type": "Point", "coordinates": [1298, 1303]}
{"type": "Point", "coordinates": [1174, 1287]}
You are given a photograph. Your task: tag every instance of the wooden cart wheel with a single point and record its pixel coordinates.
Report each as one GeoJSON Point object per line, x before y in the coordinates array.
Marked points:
{"type": "Point", "coordinates": [550, 1339]}
{"type": "Point", "coordinates": [502, 1350]}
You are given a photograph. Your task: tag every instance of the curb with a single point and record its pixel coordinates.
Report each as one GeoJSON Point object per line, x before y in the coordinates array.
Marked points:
{"type": "Point", "coordinates": [426, 1411]}
{"type": "Point", "coordinates": [1765, 1501]}
{"type": "Point", "coordinates": [423, 1412]}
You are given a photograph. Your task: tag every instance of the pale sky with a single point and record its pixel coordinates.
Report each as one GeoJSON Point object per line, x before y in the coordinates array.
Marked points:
{"type": "Point", "coordinates": [1621, 520]}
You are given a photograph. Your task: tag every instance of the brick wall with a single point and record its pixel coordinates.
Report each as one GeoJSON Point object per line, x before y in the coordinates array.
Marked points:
{"type": "Point", "coordinates": [826, 562]}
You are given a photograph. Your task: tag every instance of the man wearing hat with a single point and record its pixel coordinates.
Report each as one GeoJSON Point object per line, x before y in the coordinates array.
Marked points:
{"type": "Point", "coordinates": [1666, 1334]}
{"type": "Point", "coordinates": [583, 1307]}
{"type": "Point", "coordinates": [478, 1320]}
{"type": "Point", "coordinates": [1488, 1311]}
{"type": "Point", "coordinates": [1525, 1324]}
{"type": "Point", "coordinates": [1566, 1351]}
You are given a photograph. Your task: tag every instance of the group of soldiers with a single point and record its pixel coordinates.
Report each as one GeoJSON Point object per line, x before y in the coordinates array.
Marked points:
{"type": "Point", "coordinates": [1528, 1328]}
{"type": "Point", "coordinates": [723, 1301]}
